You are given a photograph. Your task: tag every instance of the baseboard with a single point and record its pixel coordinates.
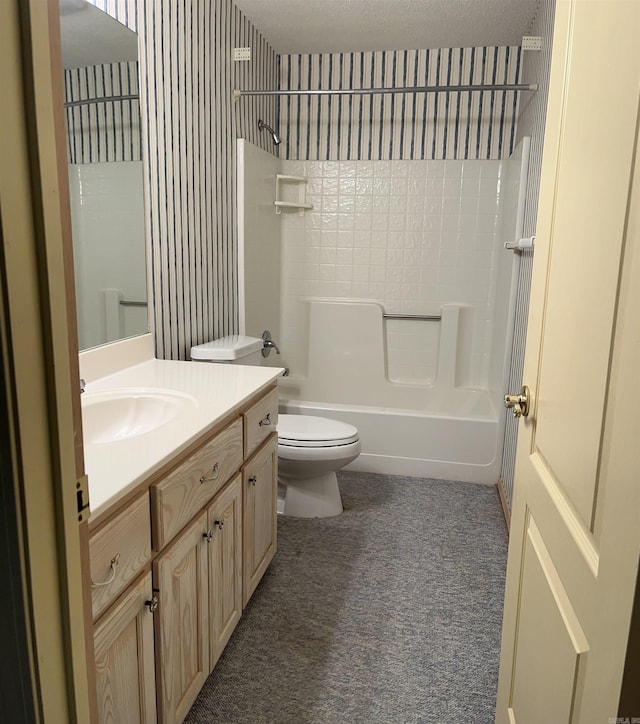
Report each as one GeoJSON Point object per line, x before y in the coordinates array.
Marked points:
{"type": "Point", "coordinates": [505, 506]}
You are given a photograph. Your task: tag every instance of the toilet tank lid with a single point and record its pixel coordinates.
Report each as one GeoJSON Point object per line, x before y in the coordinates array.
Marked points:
{"type": "Point", "coordinates": [234, 346]}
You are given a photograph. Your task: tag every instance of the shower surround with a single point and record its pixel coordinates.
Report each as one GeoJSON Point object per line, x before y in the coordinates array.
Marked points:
{"type": "Point", "coordinates": [412, 236]}
{"type": "Point", "coordinates": [407, 196]}
{"type": "Point", "coordinates": [420, 238]}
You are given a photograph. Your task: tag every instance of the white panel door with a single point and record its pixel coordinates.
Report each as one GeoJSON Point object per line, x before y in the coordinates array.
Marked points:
{"type": "Point", "coordinates": [575, 535]}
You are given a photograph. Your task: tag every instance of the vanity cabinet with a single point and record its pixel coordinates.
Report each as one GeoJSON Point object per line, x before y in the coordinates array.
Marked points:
{"type": "Point", "coordinates": [225, 567]}
{"type": "Point", "coordinates": [198, 578]}
{"type": "Point", "coordinates": [182, 621]}
{"type": "Point", "coordinates": [260, 481]}
{"type": "Point", "coordinates": [192, 547]}
{"type": "Point", "coordinates": [118, 551]}
{"type": "Point", "coordinates": [259, 421]}
{"type": "Point", "coordinates": [122, 604]}
{"type": "Point", "coordinates": [192, 484]}
{"type": "Point", "coordinates": [124, 656]}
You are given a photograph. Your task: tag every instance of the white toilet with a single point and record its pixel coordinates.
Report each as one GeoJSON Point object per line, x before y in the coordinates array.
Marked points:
{"type": "Point", "coordinates": [310, 449]}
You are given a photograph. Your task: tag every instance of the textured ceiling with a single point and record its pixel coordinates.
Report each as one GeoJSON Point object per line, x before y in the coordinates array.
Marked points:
{"type": "Point", "coordinates": [324, 26]}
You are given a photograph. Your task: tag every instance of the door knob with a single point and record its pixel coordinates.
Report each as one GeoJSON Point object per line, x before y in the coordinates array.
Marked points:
{"type": "Point", "coordinates": [519, 404]}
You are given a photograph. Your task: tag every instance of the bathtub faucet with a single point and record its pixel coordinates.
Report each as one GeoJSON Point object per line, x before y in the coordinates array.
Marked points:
{"type": "Point", "coordinates": [268, 344]}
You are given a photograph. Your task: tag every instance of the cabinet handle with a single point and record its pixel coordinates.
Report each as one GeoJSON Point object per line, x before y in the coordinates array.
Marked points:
{"type": "Point", "coordinates": [208, 536]}
{"type": "Point", "coordinates": [152, 605]}
{"type": "Point", "coordinates": [265, 420]}
{"type": "Point", "coordinates": [111, 577]}
{"type": "Point", "coordinates": [253, 479]}
{"type": "Point", "coordinates": [213, 476]}
{"type": "Point", "coordinates": [219, 523]}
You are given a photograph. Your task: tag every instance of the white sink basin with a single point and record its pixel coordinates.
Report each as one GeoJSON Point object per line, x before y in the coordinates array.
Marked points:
{"type": "Point", "coordinates": [121, 414]}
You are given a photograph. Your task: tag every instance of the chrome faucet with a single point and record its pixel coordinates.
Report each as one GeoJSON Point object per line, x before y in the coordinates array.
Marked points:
{"type": "Point", "coordinates": [268, 344]}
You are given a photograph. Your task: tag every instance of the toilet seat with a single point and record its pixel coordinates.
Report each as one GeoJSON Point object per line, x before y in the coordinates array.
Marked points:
{"type": "Point", "coordinates": [308, 431]}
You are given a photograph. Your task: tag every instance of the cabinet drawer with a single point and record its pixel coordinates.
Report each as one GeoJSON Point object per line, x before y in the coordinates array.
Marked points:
{"type": "Point", "coordinates": [118, 552]}
{"type": "Point", "coordinates": [260, 421]}
{"type": "Point", "coordinates": [186, 490]}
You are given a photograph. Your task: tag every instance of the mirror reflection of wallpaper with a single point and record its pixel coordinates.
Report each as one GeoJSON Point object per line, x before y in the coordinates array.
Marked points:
{"type": "Point", "coordinates": [101, 132]}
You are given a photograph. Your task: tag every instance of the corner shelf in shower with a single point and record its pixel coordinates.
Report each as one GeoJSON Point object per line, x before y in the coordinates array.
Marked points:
{"type": "Point", "coordinates": [301, 204]}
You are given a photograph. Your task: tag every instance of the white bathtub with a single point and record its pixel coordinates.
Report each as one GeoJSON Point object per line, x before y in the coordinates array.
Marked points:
{"type": "Point", "coordinates": [420, 444]}
{"type": "Point", "coordinates": [438, 429]}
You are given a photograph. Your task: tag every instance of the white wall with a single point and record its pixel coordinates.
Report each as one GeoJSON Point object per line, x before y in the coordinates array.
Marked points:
{"type": "Point", "coordinates": [513, 190]}
{"type": "Point", "coordinates": [410, 235]}
{"type": "Point", "coordinates": [107, 218]}
{"type": "Point", "coordinates": [536, 67]}
{"type": "Point", "coordinates": [258, 243]}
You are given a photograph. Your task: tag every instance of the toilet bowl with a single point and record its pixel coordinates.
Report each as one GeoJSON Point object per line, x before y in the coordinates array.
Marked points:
{"type": "Point", "coordinates": [310, 449]}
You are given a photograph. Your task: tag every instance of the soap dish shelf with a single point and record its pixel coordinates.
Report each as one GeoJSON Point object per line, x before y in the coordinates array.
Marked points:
{"type": "Point", "coordinates": [301, 204]}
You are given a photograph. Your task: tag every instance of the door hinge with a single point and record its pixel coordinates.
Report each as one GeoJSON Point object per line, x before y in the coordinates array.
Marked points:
{"type": "Point", "coordinates": [82, 497]}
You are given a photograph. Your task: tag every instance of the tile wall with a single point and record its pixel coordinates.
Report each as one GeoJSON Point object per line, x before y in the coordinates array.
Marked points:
{"type": "Point", "coordinates": [411, 235]}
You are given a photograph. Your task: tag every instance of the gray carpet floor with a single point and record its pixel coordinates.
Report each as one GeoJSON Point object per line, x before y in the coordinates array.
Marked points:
{"type": "Point", "coordinates": [390, 612]}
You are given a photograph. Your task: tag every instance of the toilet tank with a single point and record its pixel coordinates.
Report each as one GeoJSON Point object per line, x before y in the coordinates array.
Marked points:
{"type": "Point", "coordinates": [235, 349]}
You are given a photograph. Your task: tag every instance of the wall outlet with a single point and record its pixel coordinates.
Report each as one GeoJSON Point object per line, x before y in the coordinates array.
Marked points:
{"type": "Point", "coordinates": [242, 53]}
{"type": "Point", "coordinates": [531, 42]}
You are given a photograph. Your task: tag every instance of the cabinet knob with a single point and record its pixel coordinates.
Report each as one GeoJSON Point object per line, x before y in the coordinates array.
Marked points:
{"type": "Point", "coordinates": [219, 523]}
{"type": "Point", "coordinates": [152, 605]}
{"type": "Point", "coordinates": [253, 479]}
{"type": "Point", "coordinates": [265, 420]}
{"type": "Point", "coordinates": [208, 536]}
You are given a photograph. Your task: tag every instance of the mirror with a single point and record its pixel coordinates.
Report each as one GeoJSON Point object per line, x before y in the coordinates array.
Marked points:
{"type": "Point", "coordinates": [100, 60]}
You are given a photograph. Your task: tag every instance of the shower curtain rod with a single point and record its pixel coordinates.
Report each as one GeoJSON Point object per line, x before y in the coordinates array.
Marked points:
{"type": "Point", "coordinates": [406, 89]}
{"type": "Point", "coordinates": [103, 99]}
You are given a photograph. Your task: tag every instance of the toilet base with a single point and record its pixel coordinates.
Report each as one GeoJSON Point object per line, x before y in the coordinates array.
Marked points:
{"type": "Point", "coordinates": [317, 497]}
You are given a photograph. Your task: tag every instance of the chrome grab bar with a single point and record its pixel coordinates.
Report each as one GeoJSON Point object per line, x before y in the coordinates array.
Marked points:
{"type": "Point", "coordinates": [427, 317]}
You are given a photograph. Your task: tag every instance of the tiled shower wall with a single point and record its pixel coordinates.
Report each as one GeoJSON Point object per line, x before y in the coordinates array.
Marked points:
{"type": "Point", "coordinates": [411, 235]}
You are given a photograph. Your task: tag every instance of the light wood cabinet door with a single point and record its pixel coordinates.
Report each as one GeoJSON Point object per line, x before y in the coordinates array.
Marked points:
{"type": "Point", "coordinates": [259, 482]}
{"type": "Point", "coordinates": [182, 622]}
{"type": "Point", "coordinates": [125, 673]}
{"type": "Point", "coordinates": [225, 567]}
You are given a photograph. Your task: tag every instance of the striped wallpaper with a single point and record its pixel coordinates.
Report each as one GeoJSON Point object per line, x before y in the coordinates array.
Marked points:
{"type": "Point", "coordinates": [479, 125]}
{"type": "Point", "coordinates": [189, 130]}
{"type": "Point", "coordinates": [536, 67]}
{"type": "Point", "coordinates": [190, 124]}
{"type": "Point", "coordinates": [103, 131]}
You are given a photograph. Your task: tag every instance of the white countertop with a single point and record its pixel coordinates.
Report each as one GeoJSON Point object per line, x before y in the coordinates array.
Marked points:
{"type": "Point", "coordinates": [116, 468]}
